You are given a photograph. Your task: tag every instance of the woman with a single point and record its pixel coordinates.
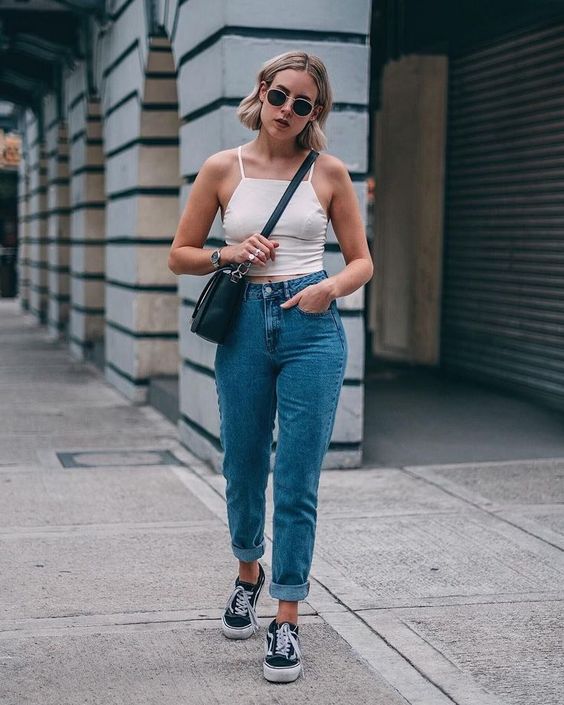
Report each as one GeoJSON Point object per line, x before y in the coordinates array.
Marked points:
{"type": "Point", "coordinates": [287, 350]}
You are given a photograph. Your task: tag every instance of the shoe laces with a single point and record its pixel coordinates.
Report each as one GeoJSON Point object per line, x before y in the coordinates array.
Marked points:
{"type": "Point", "coordinates": [239, 603]}
{"type": "Point", "coordinates": [285, 638]}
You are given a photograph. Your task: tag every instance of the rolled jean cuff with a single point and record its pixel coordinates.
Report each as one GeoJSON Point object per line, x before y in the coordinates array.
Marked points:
{"type": "Point", "coordinates": [289, 592]}
{"type": "Point", "coordinates": [248, 554]}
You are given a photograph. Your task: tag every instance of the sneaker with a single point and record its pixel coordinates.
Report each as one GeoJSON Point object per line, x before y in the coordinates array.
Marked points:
{"type": "Point", "coordinates": [282, 661]}
{"type": "Point", "coordinates": [239, 620]}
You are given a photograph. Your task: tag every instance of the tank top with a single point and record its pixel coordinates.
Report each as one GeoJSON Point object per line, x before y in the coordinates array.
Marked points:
{"type": "Point", "coordinates": [301, 230]}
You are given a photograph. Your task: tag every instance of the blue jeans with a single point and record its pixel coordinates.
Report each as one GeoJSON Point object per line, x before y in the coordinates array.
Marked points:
{"type": "Point", "coordinates": [291, 362]}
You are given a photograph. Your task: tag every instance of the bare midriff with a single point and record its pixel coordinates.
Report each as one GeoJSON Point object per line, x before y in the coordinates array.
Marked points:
{"type": "Point", "coordinates": [279, 278]}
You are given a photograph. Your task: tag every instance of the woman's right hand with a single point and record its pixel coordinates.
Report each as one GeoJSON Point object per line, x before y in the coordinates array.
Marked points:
{"type": "Point", "coordinates": [261, 247]}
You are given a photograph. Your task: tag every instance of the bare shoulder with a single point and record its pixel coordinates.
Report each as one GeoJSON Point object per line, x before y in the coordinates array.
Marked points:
{"type": "Point", "coordinates": [332, 168]}
{"type": "Point", "coordinates": [219, 165]}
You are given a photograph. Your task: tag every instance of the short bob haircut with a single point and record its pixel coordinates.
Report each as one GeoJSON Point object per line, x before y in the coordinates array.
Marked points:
{"type": "Point", "coordinates": [312, 136]}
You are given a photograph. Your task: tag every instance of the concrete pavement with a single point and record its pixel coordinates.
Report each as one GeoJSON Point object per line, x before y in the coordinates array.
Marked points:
{"type": "Point", "coordinates": [431, 585]}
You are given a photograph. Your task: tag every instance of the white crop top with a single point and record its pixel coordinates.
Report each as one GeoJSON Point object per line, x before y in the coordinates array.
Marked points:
{"type": "Point", "coordinates": [301, 230]}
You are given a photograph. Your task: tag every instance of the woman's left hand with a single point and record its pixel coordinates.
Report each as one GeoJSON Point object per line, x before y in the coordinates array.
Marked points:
{"type": "Point", "coordinates": [314, 298]}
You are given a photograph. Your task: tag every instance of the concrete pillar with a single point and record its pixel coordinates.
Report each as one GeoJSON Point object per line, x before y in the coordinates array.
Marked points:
{"type": "Point", "coordinates": [23, 228]}
{"type": "Point", "coordinates": [88, 207]}
{"type": "Point", "coordinates": [57, 219]}
{"type": "Point", "coordinates": [142, 184]}
{"type": "Point", "coordinates": [219, 47]}
{"type": "Point", "coordinates": [409, 171]}
{"type": "Point", "coordinates": [37, 219]}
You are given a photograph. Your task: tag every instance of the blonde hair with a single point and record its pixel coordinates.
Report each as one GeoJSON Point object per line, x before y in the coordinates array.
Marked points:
{"type": "Point", "coordinates": [312, 136]}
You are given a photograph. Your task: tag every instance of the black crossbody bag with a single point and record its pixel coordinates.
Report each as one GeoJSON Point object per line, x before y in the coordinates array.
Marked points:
{"type": "Point", "coordinates": [219, 302]}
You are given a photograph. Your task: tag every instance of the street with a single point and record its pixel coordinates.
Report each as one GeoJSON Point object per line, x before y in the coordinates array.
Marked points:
{"type": "Point", "coordinates": [431, 585]}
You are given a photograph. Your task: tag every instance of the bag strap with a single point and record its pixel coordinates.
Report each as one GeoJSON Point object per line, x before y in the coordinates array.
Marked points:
{"type": "Point", "coordinates": [244, 267]}
{"type": "Point", "coordinates": [289, 192]}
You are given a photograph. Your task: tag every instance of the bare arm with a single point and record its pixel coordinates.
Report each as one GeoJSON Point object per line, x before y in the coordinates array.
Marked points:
{"type": "Point", "coordinates": [347, 222]}
{"type": "Point", "coordinates": [187, 255]}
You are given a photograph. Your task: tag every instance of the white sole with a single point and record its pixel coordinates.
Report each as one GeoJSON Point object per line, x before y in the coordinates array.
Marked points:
{"type": "Point", "coordinates": [282, 675]}
{"type": "Point", "coordinates": [232, 633]}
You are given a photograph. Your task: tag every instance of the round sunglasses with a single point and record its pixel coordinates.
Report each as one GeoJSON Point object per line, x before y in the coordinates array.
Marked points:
{"type": "Point", "coordinates": [300, 106]}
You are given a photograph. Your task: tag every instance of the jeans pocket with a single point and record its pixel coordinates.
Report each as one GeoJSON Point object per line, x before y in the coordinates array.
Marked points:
{"type": "Point", "coordinates": [313, 314]}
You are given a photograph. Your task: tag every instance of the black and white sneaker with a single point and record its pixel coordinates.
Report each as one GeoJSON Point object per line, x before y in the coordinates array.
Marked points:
{"type": "Point", "coordinates": [239, 620]}
{"type": "Point", "coordinates": [282, 661]}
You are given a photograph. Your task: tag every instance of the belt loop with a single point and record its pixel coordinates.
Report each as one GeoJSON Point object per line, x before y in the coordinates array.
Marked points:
{"type": "Point", "coordinates": [286, 289]}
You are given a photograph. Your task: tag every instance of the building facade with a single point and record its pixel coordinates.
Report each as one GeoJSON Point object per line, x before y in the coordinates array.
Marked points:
{"type": "Point", "coordinates": [451, 111]}
{"type": "Point", "coordinates": [468, 162]}
{"type": "Point", "coordinates": [110, 157]}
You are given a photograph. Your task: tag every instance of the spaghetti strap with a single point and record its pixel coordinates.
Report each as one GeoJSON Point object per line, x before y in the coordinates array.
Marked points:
{"type": "Point", "coordinates": [241, 162]}
{"type": "Point", "coordinates": [311, 172]}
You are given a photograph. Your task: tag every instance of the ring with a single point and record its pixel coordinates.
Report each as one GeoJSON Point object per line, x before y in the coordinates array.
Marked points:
{"type": "Point", "coordinates": [257, 252]}
{"type": "Point", "coordinates": [251, 257]}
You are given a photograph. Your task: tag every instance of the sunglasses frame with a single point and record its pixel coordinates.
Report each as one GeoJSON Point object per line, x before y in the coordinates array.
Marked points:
{"type": "Point", "coordinates": [303, 100]}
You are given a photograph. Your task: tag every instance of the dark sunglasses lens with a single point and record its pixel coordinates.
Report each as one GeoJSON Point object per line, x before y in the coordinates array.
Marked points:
{"type": "Point", "coordinates": [302, 107]}
{"type": "Point", "coordinates": [275, 97]}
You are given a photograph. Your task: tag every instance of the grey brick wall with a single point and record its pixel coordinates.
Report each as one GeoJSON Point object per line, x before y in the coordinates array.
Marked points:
{"type": "Point", "coordinates": [219, 47]}
{"type": "Point", "coordinates": [37, 218]}
{"type": "Point", "coordinates": [23, 236]}
{"type": "Point", "coordinates": [140, 108]}
{"type": "Point", "coordinates": [142, 113]}
{"type": "Point", "coordinates": [58, 218]}
{"type": "Point", "coordinates": [88, 208]}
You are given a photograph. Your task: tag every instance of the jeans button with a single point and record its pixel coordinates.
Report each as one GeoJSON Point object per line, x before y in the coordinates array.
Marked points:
{"type": "Point", "coordinates": [268, 289]}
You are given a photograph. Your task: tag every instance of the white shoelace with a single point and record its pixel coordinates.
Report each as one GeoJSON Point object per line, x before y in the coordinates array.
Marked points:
{"type": "Point", "coordinates": [243, 605]}
{"type": "Point", "coordinates": [284, 638]}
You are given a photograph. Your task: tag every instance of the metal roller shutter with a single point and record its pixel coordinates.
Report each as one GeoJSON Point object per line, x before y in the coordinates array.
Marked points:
{"type": "Point", "coordinates": [503, 279]}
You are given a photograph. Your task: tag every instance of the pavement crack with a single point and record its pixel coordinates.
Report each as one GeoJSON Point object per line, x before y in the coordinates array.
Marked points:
{"type": "Point", "coordinates": [490, 512]}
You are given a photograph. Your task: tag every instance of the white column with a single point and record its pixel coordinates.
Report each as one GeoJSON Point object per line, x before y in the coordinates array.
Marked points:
{"type": "Point", "coordinates": [23, 228]}
{"type": "Point", "coordinates": [57, 219]}
{"type": "Point", "coordinates": [88, 207]}
{"type": "Point", "coordinates": [217, 64]}
{"type": "Point", "coordinates": [37, 219]}
{"type": "Point", "coordinates": [140, 108]}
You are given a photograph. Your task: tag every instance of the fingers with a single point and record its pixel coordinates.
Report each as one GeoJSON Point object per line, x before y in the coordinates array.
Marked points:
{"type": "Point", "coordinates": [255, 254]}
{"type": "Point", "coordinates": [256, 248]}
{"type": "Point", "coordinates": [266, 246]}
{"type": "Point", "coordinates": [292, 301]}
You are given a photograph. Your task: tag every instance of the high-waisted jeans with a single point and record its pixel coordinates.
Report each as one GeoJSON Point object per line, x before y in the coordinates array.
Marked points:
{"type": "Point", "coordinates": [291, 362]}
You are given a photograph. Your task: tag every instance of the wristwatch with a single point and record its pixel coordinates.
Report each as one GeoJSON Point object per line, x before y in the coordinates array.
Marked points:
{"type": "Point", "coordinates": [215, 258]}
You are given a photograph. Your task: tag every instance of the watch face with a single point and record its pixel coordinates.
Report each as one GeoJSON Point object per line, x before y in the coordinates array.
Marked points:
{"type": "Point", "coordinates": [215, 257]}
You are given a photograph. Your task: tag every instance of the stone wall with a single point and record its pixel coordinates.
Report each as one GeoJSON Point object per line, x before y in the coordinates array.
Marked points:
{"type": "Point", "coordinates": [88, 208]}
{"type": "Point", "coordinates": [23, 236]}
{"type": "Point", "coordinates": [36, 217]}
{"type": "Point", "coordinates": [140, 112]}
{"type": "Point", "coordinates": [219, 47]}
{"type": "Point", "coordinates": [58, 249]}
{"type": "Point", "coordinates": [157, 96]}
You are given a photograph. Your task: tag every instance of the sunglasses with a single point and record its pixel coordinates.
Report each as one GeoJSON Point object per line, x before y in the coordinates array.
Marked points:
{"type": "Point", "coordinates": [300, 106]}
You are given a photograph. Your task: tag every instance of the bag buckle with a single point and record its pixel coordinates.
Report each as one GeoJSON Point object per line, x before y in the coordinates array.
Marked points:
{"type": "Point", "coordinates": [240, 272]}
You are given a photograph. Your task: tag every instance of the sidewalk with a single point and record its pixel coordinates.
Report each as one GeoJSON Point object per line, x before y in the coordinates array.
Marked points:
{"type": "Point", "coordinates": [430, 585]}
